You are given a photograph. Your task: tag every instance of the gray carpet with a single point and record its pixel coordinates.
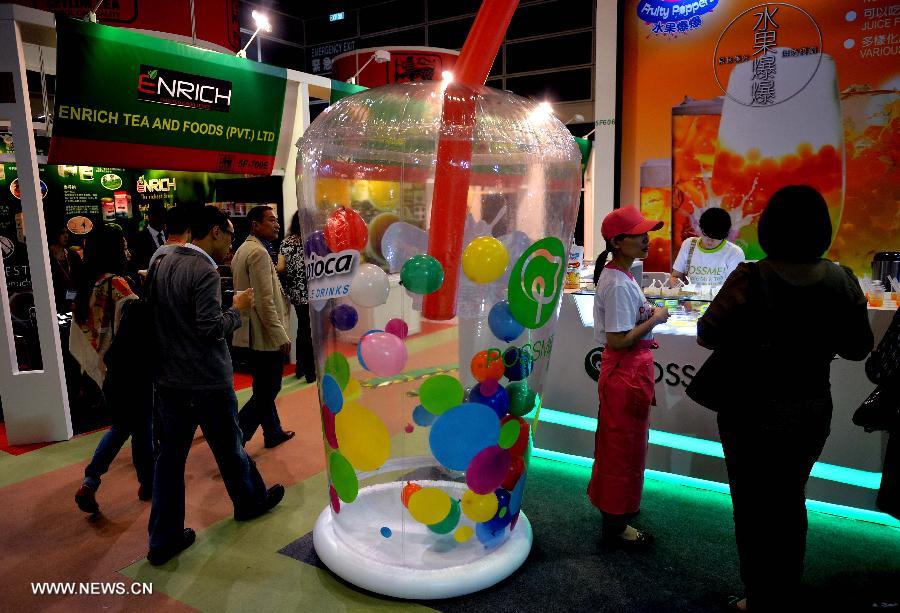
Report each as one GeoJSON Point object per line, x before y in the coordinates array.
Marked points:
{"type": "Point", "coordinates": [692, 568]}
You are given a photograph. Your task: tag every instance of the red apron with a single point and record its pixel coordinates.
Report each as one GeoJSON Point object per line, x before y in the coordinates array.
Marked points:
{"type": "Point", "coordinates": [626, 389]}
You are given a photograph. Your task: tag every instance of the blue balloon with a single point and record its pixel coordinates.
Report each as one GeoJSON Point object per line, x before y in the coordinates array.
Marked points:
{"type": "Point", "coordinates": [504, 514]}
{"type": "Point", "coordinates": [359, 348]}
{"type": "Point", "coordinates": [316, 243]}
{"type": "Point", "coordinates": [515, 500]}
{"type": "Point", "coordinates": [332, 395]}
{"type": "Point", "coordinates": [519, 364]}
{"type": "Point", "coordinates": [423, 417]}
{"type": "Point", "coordinates": [488, 537]}
{"type": "Point", "coordinates": [459, 434]}
{"type": "Point", "coordinates": [386, 532]}
{"type": "Point", "coordinates": [503, 324]}
{"type": "Point", "coordinates": [499, 402]}
{"type": "Point", "coordinates": [344, 317]}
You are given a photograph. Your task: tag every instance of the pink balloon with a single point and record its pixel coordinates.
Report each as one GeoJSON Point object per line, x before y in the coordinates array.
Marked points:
{"type": "Point", "coordinates": [397, 327]}
{"type": "Point", "coordinates": [328, 426]}
{"type": "Point", "coordinates": [384, 354]}
{"type": "Point", "coordinates": [487, 469]}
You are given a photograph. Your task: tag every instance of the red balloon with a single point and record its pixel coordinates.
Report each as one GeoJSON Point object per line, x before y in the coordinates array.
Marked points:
{"type": "Point", "coordinates": [521, 444]}
{"type": "Point", "coordinates": [516, 468]}
{"type": "Point", "coordinates": [487, 365]}
{"type": "Point", "coordinates": [345, 229]}
{"type": "Point", "coordinates": [328, 427]}
{"type": "Point", "coordinates": [408, 490]}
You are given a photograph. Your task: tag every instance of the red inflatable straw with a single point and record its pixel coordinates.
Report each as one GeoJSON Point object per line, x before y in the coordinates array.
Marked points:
{"type": "Point", "coordinates": [454, 156]}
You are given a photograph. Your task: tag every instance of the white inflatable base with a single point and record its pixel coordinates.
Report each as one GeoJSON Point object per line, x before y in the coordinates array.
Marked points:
{"type": "Point", "coordinates": [434, 567]}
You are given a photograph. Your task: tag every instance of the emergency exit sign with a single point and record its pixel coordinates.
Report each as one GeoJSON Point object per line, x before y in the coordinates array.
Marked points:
{"type": "Point", "coordinates": [336, 16]}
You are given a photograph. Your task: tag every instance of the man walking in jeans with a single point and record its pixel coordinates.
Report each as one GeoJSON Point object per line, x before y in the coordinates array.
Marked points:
{"type": "Point", "coordinates": [265, 329]}
{"type": "Point", "coordinates": [195, 384]}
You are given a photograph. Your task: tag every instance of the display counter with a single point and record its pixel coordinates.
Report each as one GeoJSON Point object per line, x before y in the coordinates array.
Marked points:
{"type": "Point", "coordinates": [684, 440]}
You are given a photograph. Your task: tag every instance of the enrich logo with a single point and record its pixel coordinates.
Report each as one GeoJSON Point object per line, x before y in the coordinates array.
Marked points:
{"type": "Point", "coordinates": [182, 89]}
{"type": "Point", "coordinates": [536, 282]}
{"type": "Point", "coordinates": [166, 184]}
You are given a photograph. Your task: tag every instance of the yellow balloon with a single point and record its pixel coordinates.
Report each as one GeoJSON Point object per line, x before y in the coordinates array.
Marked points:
{"type": "Point", "coordinates": [485, 259]}
{"type": "Point", "coordinates": [352, 391]}
{"type": "Point", "coordinates": [463, 534]}
{"type": "Point", "coordinates": [384, 195]}
{"type": "Point", "coordinates": [331, 192]}
{"type": "Point", "coordinates": [429, 505]}
{"type": "Point", "coordinates": [362, 437]}
{"type": "Point", "coordinates": [479, 507]}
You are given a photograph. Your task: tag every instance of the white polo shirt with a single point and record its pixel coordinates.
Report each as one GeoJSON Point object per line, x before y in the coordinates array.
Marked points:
{"type": "Point", "coordinates": [708, 266]}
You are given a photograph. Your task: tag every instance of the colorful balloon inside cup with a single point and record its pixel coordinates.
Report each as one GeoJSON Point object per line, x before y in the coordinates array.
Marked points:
{"type": "Point", "coordinates": [331, 394]}
{"type": "Point", "coordinates": [461, 433]}
{"type": "Point", "coordinates": [523, 431]}
{"type": "Point", "coordinates": [397, 327]}
{"type": "Point", "coordinates": [408, 490]}
{"type": "Point", "coordinates": [479, 507]}
{"type": "Point", "coordinates": [440, 393]}
{"type": "Point", "coordinates": [516, 468]}
{"type": "Point", "coordinates": [429, 505]}
{"type": "Point", "coordinates": [370, 286]}
{"type": "Point", "coordinates": [487, 364]}
{"type": "Point", "coordinates": [343, 477]}
{"type": "Point", "coordinates": [519, 364]}
{"type": "Point", "coordinates": [345, 229]}
{"type": "Point", "coordinates": [383, 354]}
{"type": "Point", "coordinates": [502, 323]}
{"type": "Point", "coordinates": [328, 427]}
{"type": "Point", "coordinates": [521, 398]}
{"type": "Point", "coordinates": [316, 243]}
{"type": "Point", "coordinates": [498, 400]}
{"type": "Point", "coordinates": [344, 317]}
{"type": "Point", "coordinates": [362, 437]}
{"type": "Point", "coordinates": [422, 416]}
{"type": "Point", "coordinates": [359, 356]}
{"type": "Point", "coordinates": [463, 534]}
{"type": "Point", "coordinates": [338, 367]}
{"type": "Point", "coordinates": [352, 391]}
{"type": "Point", "coordinates": [487, 470]}
{"type": "Point", "coordinates": [485, 259]}
{"type": "Point", "coordinates": [422, 274]}
{"type": "Point", "coordinates": [509, 433]}
{"type": "Point", "coordinates": [488, 537]}
{"type": "Point", "coordinates": [449, 523]}
{"type": "Point", "coordinates": [333, 497]}
{"type": "Point", "coordinates": [386, 532]}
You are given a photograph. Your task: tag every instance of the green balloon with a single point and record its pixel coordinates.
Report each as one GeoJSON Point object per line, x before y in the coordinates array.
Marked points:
{"type": "Point", "coordinates": [521, 398]}
{"type": "Point", "coordinates": [422, 274]}
{"type": "Point", "coordinates": [338, 367]}
{"type": "Point", "coordinates": [447, 525]}
{"type": "Point", "coordinates": [343, 477]}
{"type": "Point", "coordinates": [509, 434]}
{"type": "Point", "coordinates": [440, 393]}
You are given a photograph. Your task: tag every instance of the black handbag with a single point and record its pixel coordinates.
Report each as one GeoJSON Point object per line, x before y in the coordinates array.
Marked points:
{"type": "Point", "coordinates": [718, 381]}
{"type": "Point", "coordinates": [880, 411]}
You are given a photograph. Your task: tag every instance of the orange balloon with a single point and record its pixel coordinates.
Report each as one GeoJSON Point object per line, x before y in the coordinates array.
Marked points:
{"type": "Point", "coordinates": [488, 365]}
{"type": "Point", "coordinates": [408, 491]}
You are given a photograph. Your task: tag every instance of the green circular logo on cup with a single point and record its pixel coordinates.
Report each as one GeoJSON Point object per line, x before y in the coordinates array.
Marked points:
{"type": "Point", "coordinates": [536, 282]}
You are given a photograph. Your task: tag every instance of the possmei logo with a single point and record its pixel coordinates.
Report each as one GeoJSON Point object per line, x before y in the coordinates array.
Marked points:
{"type": "Point", "coordinates": [536, 282]}
{"type": "Point", "coordinates": [674, 16]}
{"type": "Point", "coordinates": [182, 89]}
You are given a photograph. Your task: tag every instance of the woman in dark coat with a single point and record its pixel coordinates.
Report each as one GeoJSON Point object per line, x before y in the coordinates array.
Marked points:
{"type": "Point", "coordinates": [783, 320]}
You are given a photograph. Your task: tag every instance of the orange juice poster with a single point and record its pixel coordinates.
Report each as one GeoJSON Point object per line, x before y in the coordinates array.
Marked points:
{"type": "Point", "coordinates": [731, 100]}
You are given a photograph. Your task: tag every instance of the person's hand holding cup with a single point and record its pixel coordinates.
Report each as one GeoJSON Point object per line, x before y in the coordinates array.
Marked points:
{"type": "Point", "coordinates": [244, 300]}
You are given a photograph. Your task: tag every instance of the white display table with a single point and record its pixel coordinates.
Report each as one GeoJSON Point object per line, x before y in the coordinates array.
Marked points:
{"type": "Point", "coordinates": [684, 437]}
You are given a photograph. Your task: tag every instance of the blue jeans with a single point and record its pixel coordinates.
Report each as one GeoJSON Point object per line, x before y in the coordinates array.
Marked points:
{"type": "Point", "coordinates": [267, 368]}
{"type": "Point", "coordinates": [180, 412]}
{"type": "Point", "coordinates": [132, 411]}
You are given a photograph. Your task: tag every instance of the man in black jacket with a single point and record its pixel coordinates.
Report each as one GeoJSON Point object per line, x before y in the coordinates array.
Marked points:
{"type": "Point", "coordinates": [195, 386]}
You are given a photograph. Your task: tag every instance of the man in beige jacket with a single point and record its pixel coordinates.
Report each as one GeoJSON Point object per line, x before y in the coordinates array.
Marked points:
{"type": "Point", "coordinates": [265, 329]}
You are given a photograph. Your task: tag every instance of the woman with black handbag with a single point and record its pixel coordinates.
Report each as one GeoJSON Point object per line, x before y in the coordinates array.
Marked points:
{"type": "Point", "coordinates": [781, 322]}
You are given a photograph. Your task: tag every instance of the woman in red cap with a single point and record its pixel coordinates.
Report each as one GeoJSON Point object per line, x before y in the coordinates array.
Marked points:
{"type": "Point", "coordinates": [623, 322]}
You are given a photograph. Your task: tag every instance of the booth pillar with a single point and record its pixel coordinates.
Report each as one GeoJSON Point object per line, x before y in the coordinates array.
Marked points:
{"type": "Point", "coordinates": [35, 403]}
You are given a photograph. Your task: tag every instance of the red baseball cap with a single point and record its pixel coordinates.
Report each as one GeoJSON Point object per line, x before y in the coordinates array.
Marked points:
{"type": "Point", "coordinates": [627, 220]}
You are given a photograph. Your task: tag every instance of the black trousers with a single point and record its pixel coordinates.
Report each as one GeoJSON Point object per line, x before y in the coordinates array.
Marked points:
{"type": "Point", "coordinates": [267, 368]}
{"type": "Point", "coordinates": [306, 357]}
{"type": "Point", "coordinates": [769, 453]}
